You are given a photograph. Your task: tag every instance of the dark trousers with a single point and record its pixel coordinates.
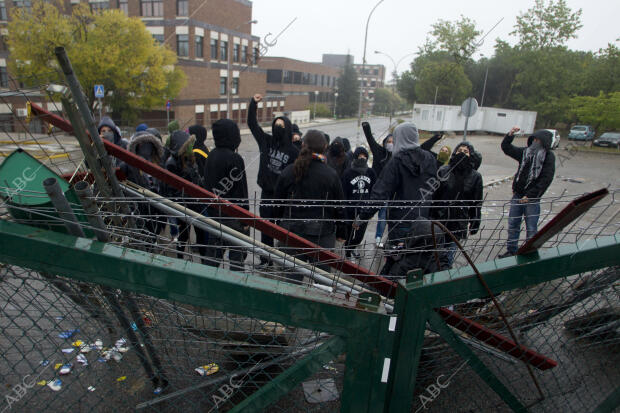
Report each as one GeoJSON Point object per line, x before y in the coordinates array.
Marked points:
{"type": "Point", "coordinates": [215, 254]}
{"type": "Point", "coordinates": [327, 241]}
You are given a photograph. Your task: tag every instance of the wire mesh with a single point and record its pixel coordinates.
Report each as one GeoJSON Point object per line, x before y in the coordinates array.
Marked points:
{"type": "Point", "coordinates": [573, 320]}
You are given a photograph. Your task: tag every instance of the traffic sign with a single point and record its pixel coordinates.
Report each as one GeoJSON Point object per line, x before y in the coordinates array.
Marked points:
{"type": "Point", "coordinates": [99, 91]}
{"type": "Point", "coordinates": [469, 107]}
{"type": "Point", "coordinates": [168, 104]}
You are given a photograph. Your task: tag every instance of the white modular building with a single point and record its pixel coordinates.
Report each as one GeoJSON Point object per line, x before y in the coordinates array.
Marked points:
{"type": "Point", "coordinates": [487, 119]}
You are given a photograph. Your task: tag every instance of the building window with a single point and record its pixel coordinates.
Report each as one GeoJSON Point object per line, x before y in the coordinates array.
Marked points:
{"type": "Point", "coordinates": [123, 5]}
{"type": "Point", "coordinates": [213, 48]}
{"type": "Point", "coordinates": [199, 44]}
{"type": "Point", "coordinates": [223, 81]}
{"type": "Point", "coordinates": [255, 56]}
{"type": "Point", "coordinates": [287, 78]}
{"type": "Point", "coordinates": [182, 45]}
{"type": "Point", "coordinates": [182, 7]}
{"type": "Point", "coordinates": [223, 50]}
{"type": "Point", "coordinates": [2, 11]}
{"type": "Point", "coordinates": [27, 4]}
{"type": "Point", "coordinates": [99, 5]}
{"type": "Point", "coordinates": [4, 77]}
{"type": "Point", "coordinates": [236, 48]}
{"type": "Point", "coordinates": [376, 72]}
{"type": "Point", "coordinates": [244, 54]}
{"type": "Point", "coordinates": [274, 76]}
{"type": "Point", "coordinates": [235, 86]}
{"type": "Point", "coordinates": [159, 38]}
{"type": "Point", "coordinates": [152, 8]}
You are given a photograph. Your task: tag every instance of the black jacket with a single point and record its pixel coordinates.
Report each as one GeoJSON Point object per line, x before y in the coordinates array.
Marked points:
{"type": "Point", "coordinates": [357, 183]}
{"type": "Point", "coordinates": [538, 187]}
{"type": "Point", "coordinates": [405, 178]}
{"type": "Point", "coordinates": [225, 170]}
{"type": "Point", "coordinates": [428, 145]}
{"type": "Point", "coordinates": [458, 200]}
{"type": "Point", "coordinates": [380, 155]}
{"type": "Point", "coordinates": [134, 174]}
{"type": "Point", "coordinates": [275, 155]}
{"type": "Point", "coordinates": [340, 162]}
{"type": "Point", "coordinates": [201, 152]}
{"type": "Point", "coordinates": [319, 217]}
{"type": "Point", "coordinates": [181, 163]}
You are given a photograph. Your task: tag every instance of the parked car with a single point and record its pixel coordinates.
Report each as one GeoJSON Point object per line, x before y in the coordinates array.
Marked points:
{"type": "Point", "coordinates": [581, 132]}
{"type": "Point", "coordinates": [608, 139]}
{"type": "Point", "coordinates": [556, 138]}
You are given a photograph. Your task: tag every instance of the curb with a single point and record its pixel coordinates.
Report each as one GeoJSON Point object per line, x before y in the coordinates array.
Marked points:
{"type": "Point", "coordinates": [498, 181]}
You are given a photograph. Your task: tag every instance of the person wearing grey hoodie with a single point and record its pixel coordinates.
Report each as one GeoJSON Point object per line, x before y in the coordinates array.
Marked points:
{"type": "Point", "coordinates": [402, 184]}
{"type": "Point", "coordinates": [109, 131]}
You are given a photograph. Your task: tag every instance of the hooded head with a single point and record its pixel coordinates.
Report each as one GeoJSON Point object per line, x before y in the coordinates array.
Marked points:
{"type": "Point", "coordinates": [155, 132]}
{"type": "Point", "coordinates": [200, 132]}
{"type": "Point", "coordinates": [336, 148]}
{"type": "Point", "coordinates": [347, 144]}
{"type": "Point", "coordinates": [226, 134]}
{"type": "Point", "coordinates": [405, 137]}
{"type": "Point", "coordinates": [545, 137]}
{"type": "Point", "coordinates": [476, 159]}
{"type": "Point", "coordinates": [327, 138]}
{"type": "Point", "coordinates": [180, 143]}
{"type": "Point", "coordinates": [107, 121]}
{"type": "Point", "coordinates": [388, 142]}
{"type": "Point", "coordinates": [142, 127]}
{"type": "Point", "coordinates": [461, 157]}
{"type": "Point", "coordinates": [282, 130]}
{"type": "Point", "coordinates": [296, 133]}
{"type": "Point", "coordinates": [173, 126]}
{"type": "Point", "coordinates": [360, 150]}
{"type": "Point", "coordinates": [147, 146]}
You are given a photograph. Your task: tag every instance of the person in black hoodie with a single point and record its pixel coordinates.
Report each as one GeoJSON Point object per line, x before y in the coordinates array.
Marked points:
{"type": "Point", "coordinates": [109, 131]}
{"type": "Point", "coordinates": [225, 176]}
{"type": "Point", "coordinates": [337, 156]}
{"type": "Point", "coordinates": [201, 152]}
{"type": "Point", "coordinates": [309, 185]}
{"type": "Point", "coordinates": [533, 177]}
{"type": "Point", "coordinates": [276, 153]}
{"type": "Point", "coordinates": [458, 200]}
{"type": "Point", "coordinates": [381, 154]}
{"type": "Point", "coordinates": [347, 149]}
{"type": "Point", "coordinates": [402, 184]}
{"type": "Point", "coordinates": [296, 137]}
{"type": "Point", "coordinates": [357, 183]}
{"type": "Point", "coordinates": [182, 163]}
{"type": "Point", "coordinates": [148, 147]}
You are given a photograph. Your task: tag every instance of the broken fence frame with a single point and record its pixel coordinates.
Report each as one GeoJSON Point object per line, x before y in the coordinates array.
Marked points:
{"type": "Point", "coordinates": [382, 351]}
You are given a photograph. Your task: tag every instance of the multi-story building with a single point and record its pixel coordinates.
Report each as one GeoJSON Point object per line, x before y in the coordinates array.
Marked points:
{"type": "Point", "coordinates": [372, 78]}
{"type": "Point", "coordinates": [300, 82]}
{"type": "Point", "coordinates": [337, 60]}
{"type": "Point", "coordinates": [215, 47]}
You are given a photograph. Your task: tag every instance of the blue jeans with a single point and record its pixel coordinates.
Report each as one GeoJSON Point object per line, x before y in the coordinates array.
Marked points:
{"type": "Point", "coordinates": [381, 222]}
{"type": "Point", "coordinates": [531, 211]}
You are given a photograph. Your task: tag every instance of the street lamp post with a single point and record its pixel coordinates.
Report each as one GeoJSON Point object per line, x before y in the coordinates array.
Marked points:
{"type": "Point", "coordinates": [484, 88]}
{"type": "Point", "coordinates": [359, 109]}
{"type": "Point", "coordinates": [395, 77]}
{"type": "Point", "coordinates": [335, 103]}
{"type": "Point", "coordinates": [228, 64]}
{"type": "Point", "coordinates": [316, 96]}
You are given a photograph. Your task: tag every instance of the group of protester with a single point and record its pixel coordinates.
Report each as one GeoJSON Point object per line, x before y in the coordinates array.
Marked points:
{"type": "Point", "coordinates": [322, 190]}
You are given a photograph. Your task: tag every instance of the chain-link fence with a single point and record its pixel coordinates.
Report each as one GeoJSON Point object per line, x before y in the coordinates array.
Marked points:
{"type": "Point", "coordinates": [136, 340]}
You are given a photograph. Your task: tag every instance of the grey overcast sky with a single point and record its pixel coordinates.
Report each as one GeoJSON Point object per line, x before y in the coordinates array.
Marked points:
{"type": "Point", "coordinates": [399, 27]}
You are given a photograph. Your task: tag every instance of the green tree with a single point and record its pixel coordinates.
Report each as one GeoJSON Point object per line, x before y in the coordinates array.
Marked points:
{"type": "Point", "coordinates": [548, 24]}
{"type": "Point", "coordinates": [602, 111]}
{"type": "Point", "coordinates": [446, 80]}
{"type": "Point", "coordinates": [322, 110]}
{"type": "Point", "coordinates": [456, 38]}
{"type": "Point", "coordinates": [387, 102]}
{"type": "Point", "coordinates": [348, 92]}
{"type": "Point", "coordinates": [406, 86]}
{"type": "Point", "coordinates": [106, 48]}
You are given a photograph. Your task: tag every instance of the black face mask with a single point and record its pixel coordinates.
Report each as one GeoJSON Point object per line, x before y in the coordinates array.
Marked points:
{"type": "Point", "coordinates": [360, 162]}
{"type": "Point", "coordinates": [145, 150]}
{"type": "Point", "coordinates": [460, 162]}
{"type": "Point", "coordinates": [279, 132]}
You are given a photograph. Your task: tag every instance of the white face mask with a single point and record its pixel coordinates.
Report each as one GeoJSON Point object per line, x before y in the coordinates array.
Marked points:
{"type": "Point", "coordinates": [389, 147]}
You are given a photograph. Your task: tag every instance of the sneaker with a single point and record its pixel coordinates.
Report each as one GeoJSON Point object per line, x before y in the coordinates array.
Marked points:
{"type": "Point", "coordinates": [378, 240]}
{"type": "Point", "coordinates": [506, 254]}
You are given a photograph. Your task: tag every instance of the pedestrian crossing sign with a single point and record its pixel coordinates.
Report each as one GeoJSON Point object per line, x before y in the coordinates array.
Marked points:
{"type": "Point", "coordinates": [99, 91]}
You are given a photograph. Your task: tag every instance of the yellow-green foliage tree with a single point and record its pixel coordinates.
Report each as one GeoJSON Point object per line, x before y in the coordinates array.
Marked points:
{"type": "Point", "coordinates": [105, 47]}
